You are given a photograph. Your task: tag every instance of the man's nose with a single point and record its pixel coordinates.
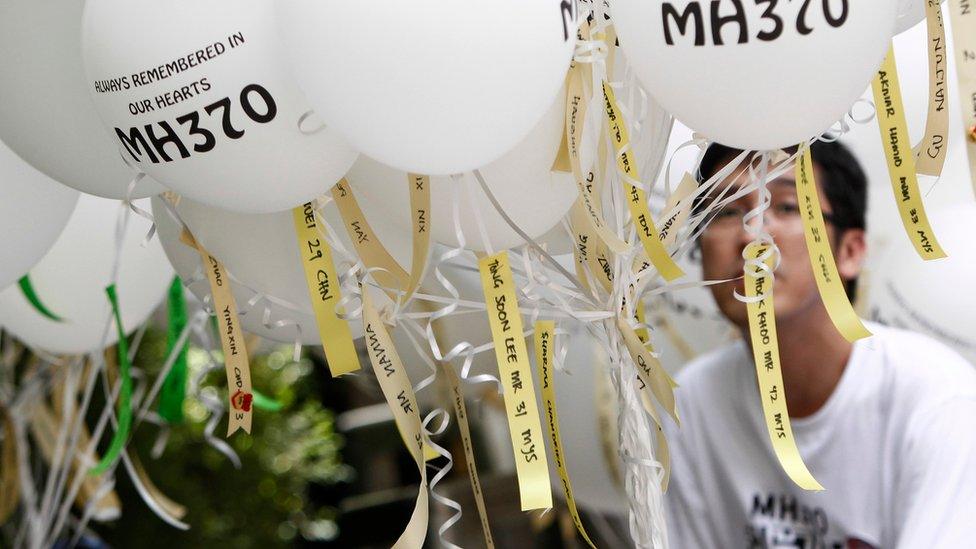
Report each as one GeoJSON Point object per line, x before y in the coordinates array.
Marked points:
{"type": "Point", "coordinates": [753, 223]}
{"type": "Point", "coordinates": [744, 236]}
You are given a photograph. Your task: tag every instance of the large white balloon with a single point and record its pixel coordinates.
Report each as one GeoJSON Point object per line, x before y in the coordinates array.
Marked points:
{"type": "Point", "coordinates": [33, 211]}
{"type": "Point", "coordinates": [533, 196]}
{"type": "Point", "coordinates": [756, 75]}
{"type": "Point", "coordinates": [932, 297]}
{"type": "Point", "coordinates": [46, 115]}
{"type": "Point", "coordinates": [70, 282]}
{"type": "Point", "coordinates": [197, 94]}
{"type": "Point", "coordinates": [435, 87]}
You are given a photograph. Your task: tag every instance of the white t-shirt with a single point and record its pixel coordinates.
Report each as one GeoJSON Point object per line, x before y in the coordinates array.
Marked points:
{"type": "Point", "coordinates": [894, 447]}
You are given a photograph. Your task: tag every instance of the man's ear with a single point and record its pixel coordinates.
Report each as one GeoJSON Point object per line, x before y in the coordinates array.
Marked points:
{"type": "Point", "coordinates": [851, 252]}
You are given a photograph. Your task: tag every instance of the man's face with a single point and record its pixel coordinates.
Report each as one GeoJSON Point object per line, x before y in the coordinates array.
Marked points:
{"type": "Point", "coordinates": [795, 288]}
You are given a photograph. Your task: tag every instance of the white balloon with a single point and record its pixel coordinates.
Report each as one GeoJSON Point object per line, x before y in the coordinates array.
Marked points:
{"type": "Point", "coordinates": [932, 297]}
{"type": "Point", "coordinates": [262, 251]}
{"type": "Point", "coordinates": [283, 323]}
{"type": "Point", "coordinates": [71, 279]}
{"type": "Point", "coordinates": [533, 196]}
{"type": "Point", "coordinates": [33, 212]}
{"type": "Point", "coordinates": [46, 115]}
{"type": "Point", "coordinates": [435, 87]}
{"type": "Point", "coordinates": [776, 76]}
{"type": "Point", "coordinates": [206, 79]}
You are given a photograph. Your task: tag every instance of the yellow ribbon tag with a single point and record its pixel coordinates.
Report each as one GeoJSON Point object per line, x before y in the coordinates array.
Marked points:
{"type": "Point", "coordinates": [652, 374]}
{"type": "Point", "coordinates": [461, 411]}
{"type": "Point", "coordinates": [831, 287]}
{"type": "Point", "coordinates": [654, 381]}
{"type": "Point", "coordinates": [680, 207]}
{"type": "Point", "coordinates": [544, 341]}
{"type": "Point", "coordinates": [668, 233]}
{"type": "Point", "coordinates": [323, 288]}
{"type": "Point", "coordinates": [932, 150]}
{"type": "Point", "coordinates": [640, 315]}
{"type": "Point", "coordinates": [636, 197]}
{"type": "Point", "coordinates": [581, 246]}
{"type": "Point", "coordinates": [515, 371]}
{"type": "Point", "coordinates": [395, 384]}
{"type": "Point", "coordinates": [901, 164]}
{"type": "Point", "coordinates": [765, 350]}
{"type": "Point", "coordinates": [389, 273]}
{"type": "Point", "coordinates": [371, 250]}
{"type": "Point", "coordinates": [236, 364]}
{"type": "Point", "coordinates": [420, 216]}
{"type": "Point", "coordinates": [577, 101]}
{"type": "Point", "coordinates": [590, 250]}
{"type": "Point", "coordinates": [963, 17]}
{"type": "Point", "coordinates": [9, 481]}
{"type": "Point", "coordinates": [561, 163]}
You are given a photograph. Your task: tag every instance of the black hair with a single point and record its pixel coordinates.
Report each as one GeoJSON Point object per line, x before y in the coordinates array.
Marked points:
{"type": "Point", "coordinates": [842, 180]}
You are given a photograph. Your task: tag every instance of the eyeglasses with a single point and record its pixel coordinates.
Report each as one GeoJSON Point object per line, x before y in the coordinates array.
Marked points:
{"type": "Point", "coordinates": [781, 211]}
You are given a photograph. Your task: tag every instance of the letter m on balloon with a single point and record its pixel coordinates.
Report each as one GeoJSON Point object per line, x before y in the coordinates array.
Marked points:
{"type": "Point", "coordinates": [692, 13]}
{"type": "Point", "coordinates": [135, 143]}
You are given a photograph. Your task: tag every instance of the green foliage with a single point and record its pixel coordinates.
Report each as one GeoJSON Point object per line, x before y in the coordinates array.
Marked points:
{"type": "Point", "coordinates": [265, 503]}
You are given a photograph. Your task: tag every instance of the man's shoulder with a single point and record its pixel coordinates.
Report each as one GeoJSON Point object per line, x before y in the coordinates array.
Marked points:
{"type": "Point", "coordinates": [922, 365]}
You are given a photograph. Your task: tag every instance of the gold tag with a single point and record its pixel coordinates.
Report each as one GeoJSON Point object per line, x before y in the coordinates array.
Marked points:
{"type": "Point", "coordinates": [680, 207]}
{"type": "Point", "coordinates": [576, 104]}
{"type": "Point", "coordinates": [652, 374]}
{"type": "Point", "coordinates": [395, 384]}
{"type": "Point", "coordinates": [389, 273]}
{"type": "Point", "coordinates": [901, 164]}
{"type": "Point", "coordinates": [934, 147]}
{"type": "Point", "coordinates": [420, 215]}
{"type": "Point", "coordinates": [323, 289]}
{"type": "Point", "coordinates": [636, 197]}
{"type": "Point", "coordinates": [236, 364]}
{"type": "Point", "coordinates": [461, 412]}
{"type": "Point", "coordinates": [831, 287]}
{"type": "Point", "coordinates": [544, 341]}
{"type": "Point", "coordinates": [515, 371]}
{"type": "Point", "coordinates": [765, 349]}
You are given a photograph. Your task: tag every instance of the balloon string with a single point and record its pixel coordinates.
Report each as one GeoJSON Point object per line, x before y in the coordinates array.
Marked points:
{"type": "Point", "coordinates": [441, 473]}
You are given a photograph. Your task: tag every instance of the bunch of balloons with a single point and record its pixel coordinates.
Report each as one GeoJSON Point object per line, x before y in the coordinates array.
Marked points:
{"type": "Point", "coordinates": [139, 139]}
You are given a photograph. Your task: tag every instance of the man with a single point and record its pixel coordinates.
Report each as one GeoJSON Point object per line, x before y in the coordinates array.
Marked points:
{"type": "Point", "coordinates": [887, 425]}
